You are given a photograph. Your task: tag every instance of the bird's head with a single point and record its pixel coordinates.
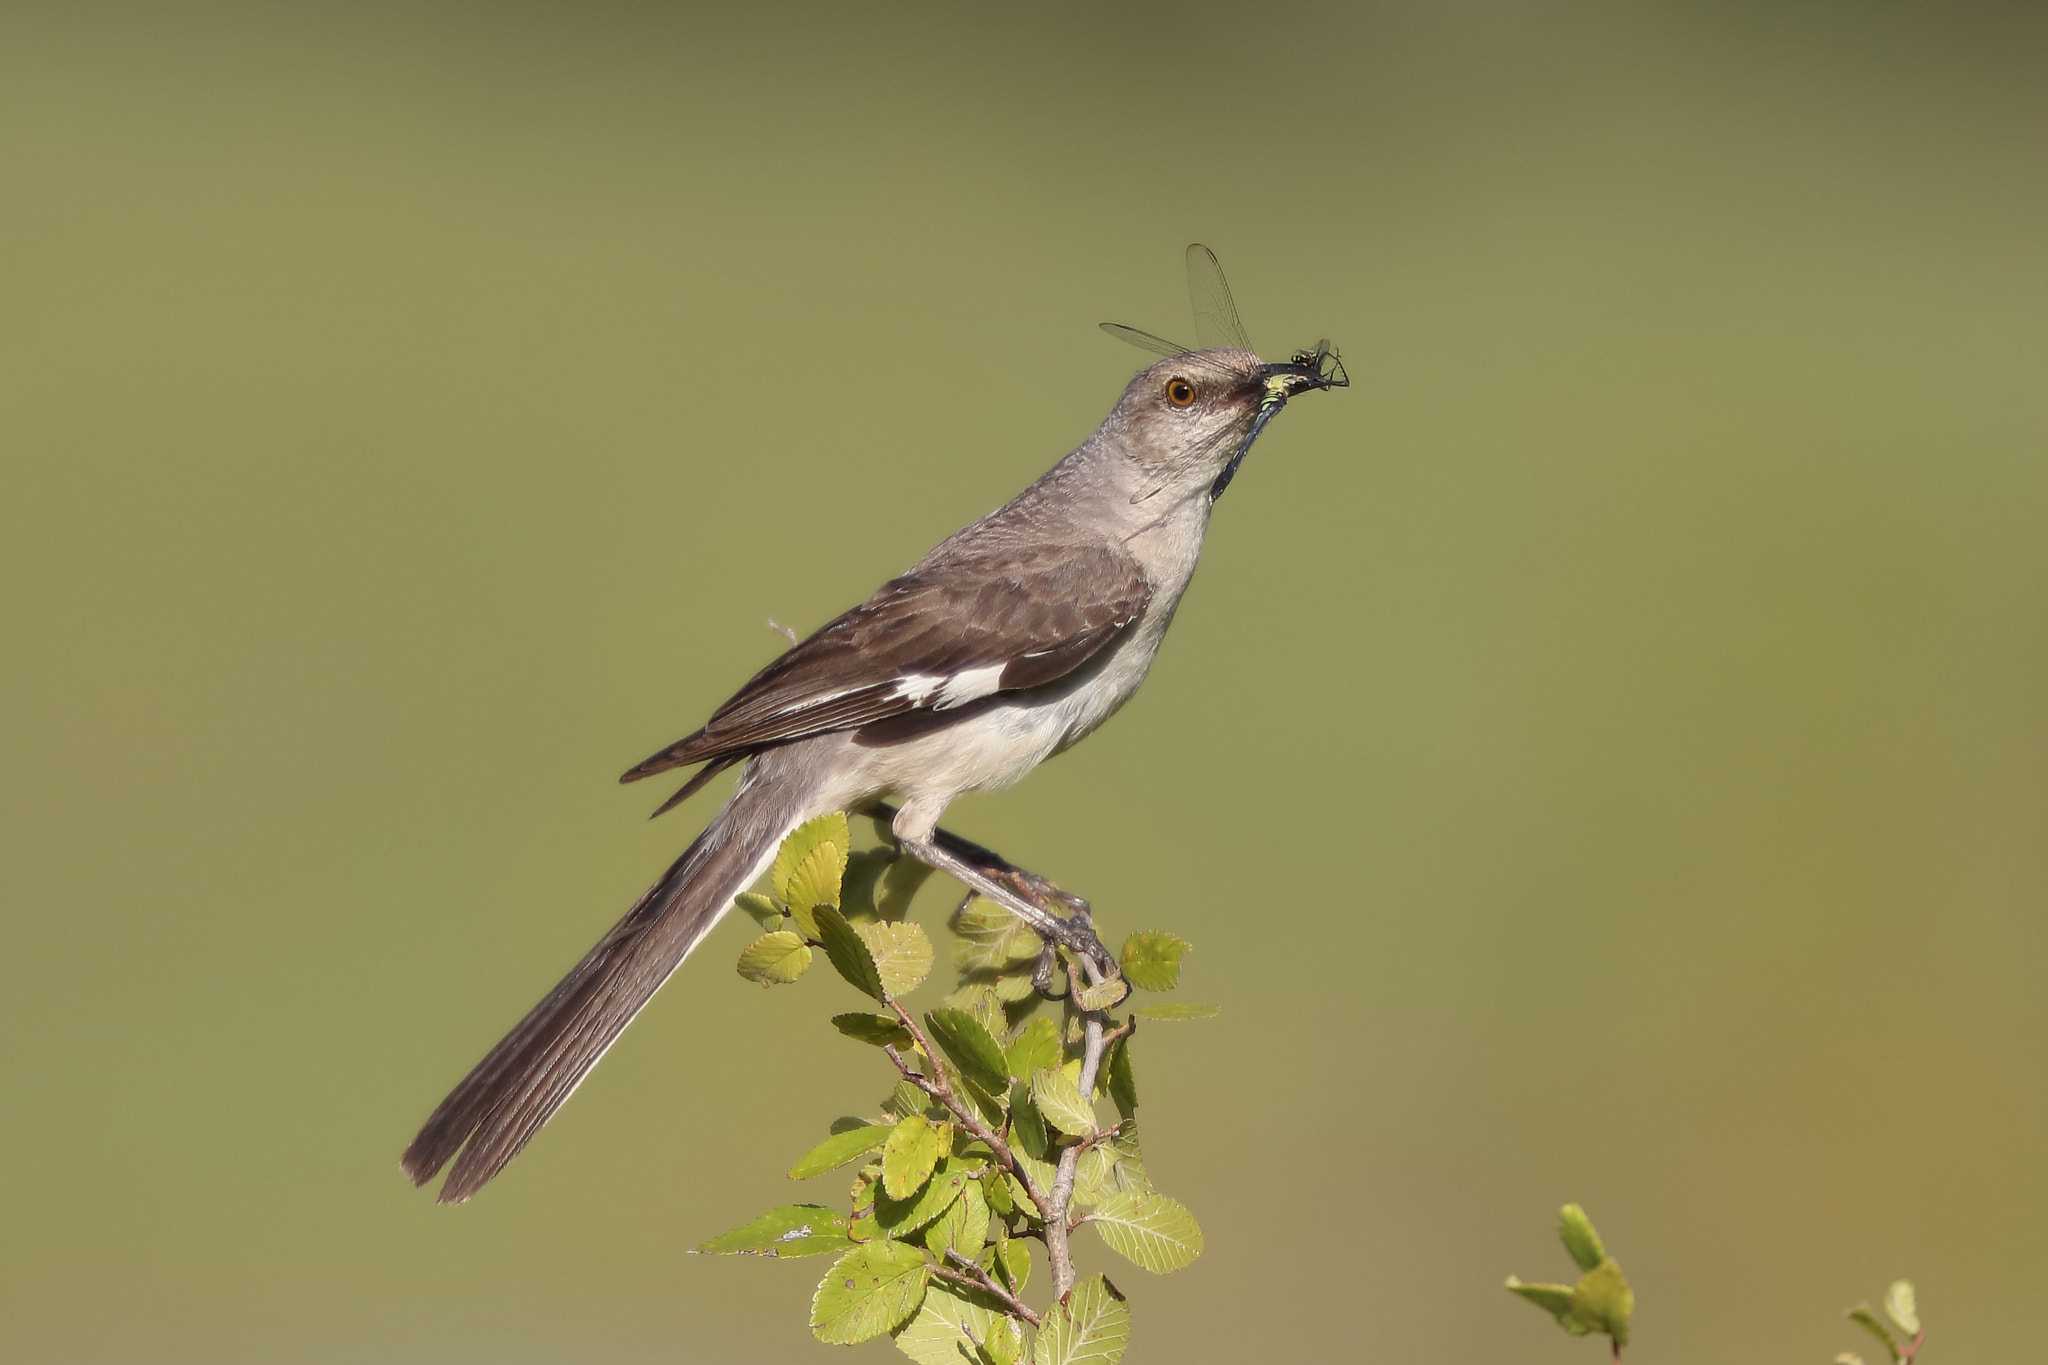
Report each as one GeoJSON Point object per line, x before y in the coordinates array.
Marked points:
{"type": "Point", "coordinates": [1190, 419]}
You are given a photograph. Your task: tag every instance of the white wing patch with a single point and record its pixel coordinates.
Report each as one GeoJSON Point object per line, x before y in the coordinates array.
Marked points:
{"type": "Point", "coordinates": [942, 691]}
{"type": "Point", "coordinates": [918, 687]}
{"type": "Point", "coordinates": [971, 685]}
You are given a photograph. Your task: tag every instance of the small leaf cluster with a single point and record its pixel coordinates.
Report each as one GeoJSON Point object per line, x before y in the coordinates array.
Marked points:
{"type": "Point", "coordinates": [989, 1142]}
{"type": "Point", "coordinates": [1601, 1301]}
{"type": "Point", "coordinates": [1902, 1306]}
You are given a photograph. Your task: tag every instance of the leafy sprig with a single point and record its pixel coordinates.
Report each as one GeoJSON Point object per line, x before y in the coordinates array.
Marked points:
{"type": "Point", "coordinates": [992, 1138]}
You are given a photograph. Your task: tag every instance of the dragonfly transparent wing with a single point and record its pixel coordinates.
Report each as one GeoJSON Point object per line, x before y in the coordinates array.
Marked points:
{"type": "Point", "coordinates": [1144, 341]}
{"type": "Point", "coordinates": [1216, 321]}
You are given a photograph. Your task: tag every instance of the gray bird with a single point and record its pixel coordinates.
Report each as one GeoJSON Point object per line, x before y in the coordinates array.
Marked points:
{"type": "Point", "coordinates": [1007, 644]}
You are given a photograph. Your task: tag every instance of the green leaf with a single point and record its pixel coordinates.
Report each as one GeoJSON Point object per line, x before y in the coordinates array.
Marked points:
{"type": "Point", "coordinates": [1179, 1011]}
{"type": "Point", "coordinates": [1004, 1344]}
{"type": "Point", "coordinates": [904, 1216]}
{"type": "Point", "coordinates": [1092, 1176]}
{"type": "Point", "coordinates": [898, 887]}
{"type": "Point", "coordinates": [826, 829]}
{"type": "Point", "coordinates": [1037, 1045]}
{"type": "Point", "coordinates": [793, 1230]}
{"type": "Point", "coordinates": [963, 1039]}
{"type": "Point", "coordinates": [901, 954]}
{"type": "Point", "coordinates": [909, 1155]}
{"type": "Point", "coordinates": [1862, 1316]}
{"type": "Point", "coordinates": [837, 1150]}
{"type": "Point", "coordinates": [775, 959]}
{"type": "Point", "coordinates": [1148, 1229]}
{"type": "Point", "coordinates": [1058, 1098]}
{"type": "Point", "coordinates": [1123, 1088]}
{"type": "Point", "coordinates": [1151, 959]}
{"type": "Point", "coordinates": [1102, 995]}
{"type": "Point", "coordinates": [1130, 1161]}
{"type": "Point", "coordinates": [963, 1227]}
{"type": "Point", "coordinates": [1554, 1299]}
{"type": "Point", "coordinates": [1091, 1328]}
{"type": "Point", "coordinates": [815, 883]}
{"type": "Point", "coordinates": [1901, 1307]}
{"type": "Point", "coordinates": [950, 1327]}
{"type": "Point", "coordinates": [990, 937]}
{"type": "Point", "coordinates": [1575, 1230]}
{"type": "Point", "coordinates": [857, 885]}
{"type": "Point", "coordinates": [1603, 1301]}
{"type": "Point", "coordinates": [868, 1291]}
{"type": "Point", "coordinates": [849, 953]}
{"type": "Point", "coordinates": [883, 1030]}
{"type": "Point", "coordinates": [904, 1100]}
{"type": "Point", "coordinates": [1013, 1263]}
{"type": "Point", "coordinates": [764, 912]}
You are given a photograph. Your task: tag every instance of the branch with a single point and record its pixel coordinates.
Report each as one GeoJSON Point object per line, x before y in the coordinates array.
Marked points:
{"type": "Point", "coordinates": [977, 1278]}
{"type": "Point", "coordinates": [939, 1088]}
{"type": "Point", "coordinates": [1057, 1249]}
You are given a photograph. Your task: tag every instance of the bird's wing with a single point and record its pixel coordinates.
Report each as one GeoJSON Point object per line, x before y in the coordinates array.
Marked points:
{"type": "Point", "coordinates": [941, 636]}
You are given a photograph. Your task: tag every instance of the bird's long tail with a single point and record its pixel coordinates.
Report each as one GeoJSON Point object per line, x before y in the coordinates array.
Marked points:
{"type": "Point", "coordinates": [516, 1088]}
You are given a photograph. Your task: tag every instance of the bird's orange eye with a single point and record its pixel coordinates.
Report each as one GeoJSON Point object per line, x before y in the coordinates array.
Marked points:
{"type": "Point", "coordinates": [1179, 392]}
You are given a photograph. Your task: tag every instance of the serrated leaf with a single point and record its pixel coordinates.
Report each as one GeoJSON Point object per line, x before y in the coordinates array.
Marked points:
{"type": "Point", "coordinates": [1037, 1045]}
{"type": "Point", "coordinates": [904, 1100]}
{"type": "Point", "coordinates": [901, 954]}
{"type": "Point", "coordinates": [1093, 1327]}
{"type": "Point", "coordinates": [1102, 995]}
{"type": "Point", "coordinates": [962, 1038]}
{"type": "Point", "coordinates": [1004, 1344]}
{"type": "Point", "coordinates": [857, 885]}
{"type": "Point", "coordinates": [868, 1291]}
{"type": "Point", "coordinates": [814, 885]}
{"type": "Point", "coordinates": [1868, 1321]}
{"type": "Point", "coordinates": [904, 1216]}
{"type": "Point", "coordinates": [1092, 1176]}
{"type": "Point", "coordinates": [963, 1227]}
{"type": "Point", "coordinates": [1130, 1160]}
{"type": "Point", "coordinates": [883, 1030]}
{"type": "Point", "coordinates": [1013, 1263]}
{"type": "Point", "coordinates": [949, 1327]}
{"type": "Point", "coordinates": [849, 953]}
{"type": "Point", "coordinates": [826, 829]}
{"type": "Point", "coordinates": [1151, 959]}
{"type": "Point", "coordinates": [1060, 1102]}
{"type": "Point", "coordinates": [1902, 1307]}
{"type": "Point", "coordinates": [1178, 1011]}
{"type": "Point", "coordinates": [760, 909]}
{"type": "Point", "coordinates": [775, 959]}
{"type": "Point", "coordinates": [898, 887]}
{"type": "Point", "coordinates": [909, 1155]}
{"type": "Point", "coordinates": [990, 937]}
{"type": "Point", "coordinates": [837, 1150]}
{"type": "Point", "coordinates": [1603, 1301]}
{"type": "Point", "coordinates": [1554, 1299]}
{"type": "Point", "coordinates": [1149, 1230]}
{"type": "Point", "coordinates": [1122, 1086]}
{"type": "Point", "coordinates": [793, 1230]}
{"type": "Point", "coordinates": [1575, 1230]}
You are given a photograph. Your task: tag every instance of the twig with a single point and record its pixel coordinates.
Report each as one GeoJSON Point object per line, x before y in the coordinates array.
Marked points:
{"type": "Point", "coordinates": [1057, 1249]}
{"type": "Point", "coordinates": [981, 1279]}
{"type": "Point", "coordinates": [939, 1088]}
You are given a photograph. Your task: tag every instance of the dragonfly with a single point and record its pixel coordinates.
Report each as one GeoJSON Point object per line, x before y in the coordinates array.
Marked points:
{"type": "Point", "coordinates": [1217, 326]}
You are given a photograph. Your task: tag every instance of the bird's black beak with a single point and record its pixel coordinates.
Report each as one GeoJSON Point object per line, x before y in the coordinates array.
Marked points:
{"type": "Point", "coordinates": [1275, 384]}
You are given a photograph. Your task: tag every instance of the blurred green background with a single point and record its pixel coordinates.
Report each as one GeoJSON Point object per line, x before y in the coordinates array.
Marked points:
{"type": "Point", "coordinates": [1603, 757]}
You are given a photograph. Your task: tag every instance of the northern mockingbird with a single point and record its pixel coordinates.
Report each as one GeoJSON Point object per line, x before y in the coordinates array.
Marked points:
{"type": "Point", "coordinates": [1007, 644]}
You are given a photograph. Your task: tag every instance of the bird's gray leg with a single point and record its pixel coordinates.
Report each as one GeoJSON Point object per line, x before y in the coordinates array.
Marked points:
{"type": "Point", "coordinates": [1077, 932]}
{"type": "Point", "coordinates": [1025, 894]}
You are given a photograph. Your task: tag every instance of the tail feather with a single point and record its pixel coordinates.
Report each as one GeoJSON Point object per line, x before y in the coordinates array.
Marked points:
{"type": "Point", "coordinates": [519, 1085]}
